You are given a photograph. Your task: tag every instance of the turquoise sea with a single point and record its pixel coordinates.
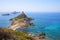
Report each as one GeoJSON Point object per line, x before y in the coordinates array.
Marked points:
{"type": "Point", "coordinates": [48, 22]}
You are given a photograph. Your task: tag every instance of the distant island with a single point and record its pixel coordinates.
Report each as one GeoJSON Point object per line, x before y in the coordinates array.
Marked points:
{"type": "Point", "coordinates": [15, 12]}
{"type": "Point", "coordinates": [8, 14]}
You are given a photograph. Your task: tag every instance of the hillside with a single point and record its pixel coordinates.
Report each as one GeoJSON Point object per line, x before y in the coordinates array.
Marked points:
{"type": "Point", "coordinates": [8, 34]}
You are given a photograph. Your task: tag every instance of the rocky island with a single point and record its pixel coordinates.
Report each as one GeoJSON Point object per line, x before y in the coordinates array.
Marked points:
{"type": "Point", "coordinates": [21, 21]}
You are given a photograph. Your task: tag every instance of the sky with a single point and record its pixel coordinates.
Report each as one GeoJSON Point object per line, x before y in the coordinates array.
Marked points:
{"type": "Point", "coordinates": [30, 5]}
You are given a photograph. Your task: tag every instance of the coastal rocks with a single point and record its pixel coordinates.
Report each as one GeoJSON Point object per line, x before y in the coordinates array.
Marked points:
{"type": "Point", "coordinates": [40, 36]}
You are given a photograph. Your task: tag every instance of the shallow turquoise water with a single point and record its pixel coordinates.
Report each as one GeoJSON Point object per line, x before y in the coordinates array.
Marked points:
{"type": "Point", "coordinates": [44, 22]}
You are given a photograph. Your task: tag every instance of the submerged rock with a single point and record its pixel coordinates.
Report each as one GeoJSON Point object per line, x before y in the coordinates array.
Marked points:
{"type": "Point", "coordinates": [41, 35]}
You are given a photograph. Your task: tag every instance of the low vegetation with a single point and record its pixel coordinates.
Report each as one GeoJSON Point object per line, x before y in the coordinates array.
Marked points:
{"type": "Point", "coordinates": [8, 34]}
{"type": "Point", "coordinates": [22, 15]}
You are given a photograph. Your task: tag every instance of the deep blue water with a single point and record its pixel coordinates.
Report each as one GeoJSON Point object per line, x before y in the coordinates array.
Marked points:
{"type": "Point", "coordinates": [44, 22]}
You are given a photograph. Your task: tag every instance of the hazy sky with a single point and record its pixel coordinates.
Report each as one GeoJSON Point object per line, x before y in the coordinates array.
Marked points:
{"type": "Point", "coordinates": [30, 5]}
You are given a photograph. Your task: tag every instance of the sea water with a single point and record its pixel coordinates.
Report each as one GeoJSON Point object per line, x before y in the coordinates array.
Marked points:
{"type": "Point", "coordinates": [48, 22]}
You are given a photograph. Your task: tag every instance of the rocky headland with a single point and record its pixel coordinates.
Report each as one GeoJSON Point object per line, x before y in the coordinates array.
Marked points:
{"type": "Point", "coordinates": [22, 21]}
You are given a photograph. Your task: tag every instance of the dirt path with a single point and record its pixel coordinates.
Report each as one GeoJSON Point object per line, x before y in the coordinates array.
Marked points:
{"type": "Point", "coordinates": [14, 27]}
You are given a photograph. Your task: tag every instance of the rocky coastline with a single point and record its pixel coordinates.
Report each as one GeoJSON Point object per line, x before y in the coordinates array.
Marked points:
{"type": "Point", "coordinates": [21, 21]}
